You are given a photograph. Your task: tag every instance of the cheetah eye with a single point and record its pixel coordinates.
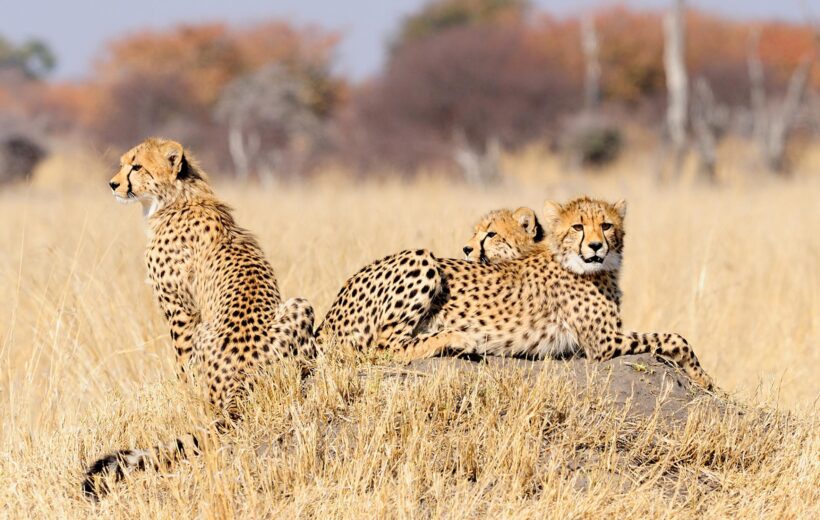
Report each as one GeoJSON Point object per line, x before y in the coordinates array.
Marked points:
{"type": "Point", "coordinates": [578, 227]}
{"type": "Point", "coordinates": [136, 167]}
{"type": "Point", "coordinates": [491, 234]}
{"type": "Point", "coordinates": [606, 226]}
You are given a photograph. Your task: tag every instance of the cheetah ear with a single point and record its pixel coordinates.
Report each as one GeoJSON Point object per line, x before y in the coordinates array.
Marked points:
{"type": "Point", "coordinates": [526, 219]}
{"type": "Point", "coordinates": [620, 207]}
{"type": "Point", "coordinates": [552, 210]}
{"type": "Point", "coordinates": [176, 157]}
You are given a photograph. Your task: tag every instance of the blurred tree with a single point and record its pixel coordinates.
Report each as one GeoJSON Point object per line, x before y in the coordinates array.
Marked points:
{"type": "Point", "coordinates": [19, 154]}
{"type": "Point", "coordinates": [440, 15]}
{"type": "Point", "coordinates": [677, 81]}
{"type": "Point", "coordinates": [774, 122]}
{"type": "Point", "coordinates": [459, 89]}
{"type": "Point", "coordinates": [716, 52]}
{"type": "Point", "coordinates": [155, 104]}
{"type": "Point", "coordinates": [631, 54]}
{"type": "Point", "coordinates": [465, 79]}
{"type": "Point", "coordinates": [170, 82]}
{"type": "Point", "coordinates": [211, 55]}
{"type": "Point", "coordinates": [558, 41]}
{"type": "Point", "coordinates": [33, 59]}
{"type": "Point", "coordinates": [275, 119]}
{"type": "Point", "coordinates": [709, 122]}
{"type": "Point", "coordinates": [592, 64]}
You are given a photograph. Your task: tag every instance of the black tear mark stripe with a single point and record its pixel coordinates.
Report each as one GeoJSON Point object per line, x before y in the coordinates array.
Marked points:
{"type": "Point", "coordinates": [481, 248]}
{"type": "Point", "coordinates": [581, 243]}
{"type": "Point", "coordinates": [128, 178]}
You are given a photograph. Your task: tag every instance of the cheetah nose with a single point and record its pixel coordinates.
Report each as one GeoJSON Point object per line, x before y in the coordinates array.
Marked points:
{"type": "Point", "coordinates": [467, 250]}
{"type": "Point", "coordinates": [595, 246]}
{"type": "Point", "coordinates": [114, 185]}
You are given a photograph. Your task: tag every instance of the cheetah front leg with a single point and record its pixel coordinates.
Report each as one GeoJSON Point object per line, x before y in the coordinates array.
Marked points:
{"type": "Point", "coordinates": [671, 346]}
{"type": "Point", "coordinates": [432, 344]}
{"type": "Point", "coordinates": [185, 333]}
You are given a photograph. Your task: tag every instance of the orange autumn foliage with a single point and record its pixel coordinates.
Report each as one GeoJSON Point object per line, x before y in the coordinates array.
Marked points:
{"type": "Point", "coordinates": [173, 77]}
{"type": "Point", "coordinates": [631, 49]}
{"type": "Point", "coordinates": [211, 55]}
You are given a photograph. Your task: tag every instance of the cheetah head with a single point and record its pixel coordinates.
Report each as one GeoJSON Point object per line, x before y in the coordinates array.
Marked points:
{"type": "Point", "coordinates": [503, 235]}
{"type": "Point", "coordinates": [586, 235]}
{"type": "Point", "coordinates": [153, 173]}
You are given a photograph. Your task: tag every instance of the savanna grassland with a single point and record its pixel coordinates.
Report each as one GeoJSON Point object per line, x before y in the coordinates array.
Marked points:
{"type": "Point", "coordinates": [86, 363]}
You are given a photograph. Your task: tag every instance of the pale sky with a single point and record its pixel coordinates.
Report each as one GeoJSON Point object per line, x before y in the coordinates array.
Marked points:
{"type": "Point", "coordinates": [77, 29]}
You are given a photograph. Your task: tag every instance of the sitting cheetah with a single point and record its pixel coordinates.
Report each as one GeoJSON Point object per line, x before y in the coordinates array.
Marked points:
{"type": "Point", "coordinates": [503, 235]}
{"type": "Point", "coordinates": [560, 300]}
{"type": "Point", "coordinates": [217, 291]}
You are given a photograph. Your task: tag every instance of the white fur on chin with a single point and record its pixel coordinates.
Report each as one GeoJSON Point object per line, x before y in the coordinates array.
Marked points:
{"type": "Point", "coordinates": [576, 264]}
{"type": "Point", "coordinates": [150, 205]}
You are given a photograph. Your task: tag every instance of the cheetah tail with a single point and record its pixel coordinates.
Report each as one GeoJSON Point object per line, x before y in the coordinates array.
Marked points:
{"type": "Point", "coordinates": [96, 483]}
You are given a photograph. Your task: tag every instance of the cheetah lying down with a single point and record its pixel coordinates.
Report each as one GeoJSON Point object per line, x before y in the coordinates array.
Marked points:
{"type": "Point", "coordinates": [554, 301]}
{"type": "Point", "coordinates": [539, 292]}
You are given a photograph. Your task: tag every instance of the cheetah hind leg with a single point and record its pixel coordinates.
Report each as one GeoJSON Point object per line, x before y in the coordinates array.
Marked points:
{"type": "Point", "coordinates": [430, 345]}
{"type": "Point", "coordinates": [292, 332]}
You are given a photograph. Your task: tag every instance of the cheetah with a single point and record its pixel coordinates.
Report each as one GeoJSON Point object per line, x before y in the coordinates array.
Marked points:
{"type": "Point", "coordinates": [559, 301]}
{"type": "Point", "coordinates": [214, 286]}
{"type": "Point", "coordinates": [503, 235]}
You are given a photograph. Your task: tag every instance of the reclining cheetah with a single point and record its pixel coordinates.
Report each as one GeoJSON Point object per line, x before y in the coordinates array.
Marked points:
{"type": "Point", "coordinates": [560, 300]}
{"type": "Point", "coordinates": [503, 235]}
{"type": "Point", "coordinates": [217, 291]}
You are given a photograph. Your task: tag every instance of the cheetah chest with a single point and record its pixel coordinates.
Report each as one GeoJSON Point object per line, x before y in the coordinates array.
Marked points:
{"type": "Point", "coordinates": [169, 269]}
{"type": "Point", "coordinates": [554, 338]}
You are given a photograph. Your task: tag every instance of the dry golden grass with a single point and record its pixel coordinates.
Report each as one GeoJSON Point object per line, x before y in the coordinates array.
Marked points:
{"type": "Point", "coordinates": [87, 365]}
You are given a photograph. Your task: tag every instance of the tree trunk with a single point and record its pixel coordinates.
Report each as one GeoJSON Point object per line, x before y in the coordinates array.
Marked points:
{"type": "Point", "coordinates": [757, 88]}
{"type": "Point", "coordinates": [783, 120]}
{"type": "Point", "coordinates": [479, 167]}
{"type": "Point", "coordinates": [236, 147]}
{"type": "Point", "coordinates": [772, 125]}
{"type": "Point", "coordinates": [592, 65]}
{"type": "Point", "coordinates": [676, 79]}
{"type": "Point", "coordinates": [703, 109]}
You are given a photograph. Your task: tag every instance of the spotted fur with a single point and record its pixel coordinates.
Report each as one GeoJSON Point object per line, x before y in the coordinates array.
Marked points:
{"type": "Point", "coordinates": [503, 235]}
{"type": "Point", "coordinates": [557, 301]}
{"type": "Point", "coordinates": [214, 286]}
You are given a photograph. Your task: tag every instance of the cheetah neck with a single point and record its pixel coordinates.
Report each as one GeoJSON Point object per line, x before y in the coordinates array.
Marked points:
{"type": "Point", "coordinates": [149, 206]}
{"type": "Point", "coordinates": [182, 194]}
{"type": "Point", "coordinates": [185, 196]}
{"type": "Point", "coordinates": [607, 283]}
{"type": "Point", "coordinates": [603, 278]}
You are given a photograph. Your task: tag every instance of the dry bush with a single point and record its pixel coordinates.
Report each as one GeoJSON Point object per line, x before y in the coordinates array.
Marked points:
{"type": "Point", "coordinates": [441, 15]}
{"type": "Point", "coordinates": [473, 84]}
{"type": "Point", "coordinates": [19, 155]}
{"type": "Point", "coordinates": [460, 71]}
{"type": "Point", "coordinates": [168, 82]}
{"type": "Point", "coordinates": [88, 365]}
